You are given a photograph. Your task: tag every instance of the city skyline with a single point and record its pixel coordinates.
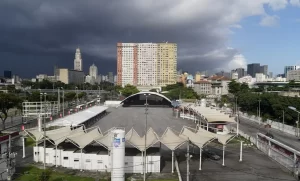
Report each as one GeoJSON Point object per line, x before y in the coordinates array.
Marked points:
{"type": "Point", "coordinates": [226, 36]}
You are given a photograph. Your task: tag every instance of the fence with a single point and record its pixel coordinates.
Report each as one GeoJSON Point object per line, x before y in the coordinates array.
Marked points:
{"type": "Point", "coordinates": [275, 150]}
{"type": "Point", "coordinates": [274, 124]}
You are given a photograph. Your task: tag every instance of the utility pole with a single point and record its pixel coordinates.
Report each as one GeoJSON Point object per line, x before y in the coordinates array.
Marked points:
{"type": "Point", "coordinates": [259, 119]}
{"type": "Point", "coordinates": [58, 99]}
{"type": "Point", "coordinates": [45, 132]}
{"type": "Point", "coordinates": [282, 120]}
{"type": "Point", "coordinates": [145, 153]}
{"type": "Point", "coordinates": [188, 161]}
{"type": "Point", "coordinates": [8, 160]}
{"type": "Point", "coordinates": [63, 101]}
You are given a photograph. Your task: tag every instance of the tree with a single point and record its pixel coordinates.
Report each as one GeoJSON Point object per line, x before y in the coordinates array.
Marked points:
{"type": "Point", "coordinates": [69, 96]}
{"type": "Point", "coordinates": [7, 101]}
{"type": "Point", "coordinates": [129, 90]}
{"type": "Point", "coordinates": [234, 87]}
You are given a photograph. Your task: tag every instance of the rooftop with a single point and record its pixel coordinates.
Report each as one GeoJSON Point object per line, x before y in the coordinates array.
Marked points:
{"type": "Point", "coordinates": [159, 119]}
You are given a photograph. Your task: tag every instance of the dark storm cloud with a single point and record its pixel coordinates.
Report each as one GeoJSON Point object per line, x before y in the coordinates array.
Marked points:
{"type": "Point", "coordinates": [36, 34]}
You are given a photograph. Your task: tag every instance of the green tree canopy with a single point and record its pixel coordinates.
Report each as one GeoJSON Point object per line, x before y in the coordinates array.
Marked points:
{"type": "Point", "coordinates": [8, 101]}
{"type": "Point", "coordinates": [272, 106]}
{"type": "Point", "coordinates": [129, 90]}
{"type": "Point", "coordinates": [177, 91]}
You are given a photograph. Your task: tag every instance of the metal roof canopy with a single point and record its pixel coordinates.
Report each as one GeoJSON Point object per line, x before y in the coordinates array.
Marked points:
{"type": "Point", "coordinates": [79, 117]}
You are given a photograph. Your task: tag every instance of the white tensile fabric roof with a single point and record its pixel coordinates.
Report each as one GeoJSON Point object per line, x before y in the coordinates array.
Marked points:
{"type": "Point", "coordinates": [212, 115]}
{"type": "Point", "coordinates": [83, 139]}
{"type": "Point", "coordinates": [36, 133]}
{"type": "Point", "coordinates": [79, 117]}
{"type": "Point", "coordinates": [137, 141]}
{"type": "Point", "coordinates": [224, 138]}
{"type": "Point", "coordinates": [60, 135]}
{"type": "Point", "coordinates": [197, 138]}
{"type": "Point", "coordinates": [171, 139]}
{"type": "Point", "coordinates": [105, 140]}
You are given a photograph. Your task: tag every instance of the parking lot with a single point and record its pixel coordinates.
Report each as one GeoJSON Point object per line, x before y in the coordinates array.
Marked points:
{"type": "Point", "coordinates": [255, 166]}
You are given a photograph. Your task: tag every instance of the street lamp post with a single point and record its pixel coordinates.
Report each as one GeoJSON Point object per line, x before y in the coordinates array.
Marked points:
{"type": "Point", "coordinates": [76, 88]}
{"type": "Point", "coordinates": [99, 95]}
{"type": "Point", "coordinates": [63, 101]}
{"type": "Point", "coordinates": [58, 99]}
{"type": "Point", "coordinates": [146, 124]}
{"type": "Point", "coordinates": [43, 110]}
{"type": "Point", "coordinates": [259, 119]}
{"type": "Point", "coordinates": [295, 109]}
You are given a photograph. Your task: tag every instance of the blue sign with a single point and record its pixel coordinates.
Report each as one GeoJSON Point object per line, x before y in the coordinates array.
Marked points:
{"type": "Point", "coordinates": [117, 142]}
{"type": "Point", "coordinates": [123, 139]}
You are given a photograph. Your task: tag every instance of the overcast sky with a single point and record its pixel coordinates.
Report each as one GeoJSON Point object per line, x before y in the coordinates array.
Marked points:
{"type": "Point", "coordinates": [35, 35]}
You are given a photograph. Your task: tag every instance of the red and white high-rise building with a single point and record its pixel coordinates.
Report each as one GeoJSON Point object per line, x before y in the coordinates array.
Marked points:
{"type": "Point", "coordinates": [146, 64]}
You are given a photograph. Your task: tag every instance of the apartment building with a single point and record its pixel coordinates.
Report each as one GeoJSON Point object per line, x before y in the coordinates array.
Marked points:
{"type": "Point", "coordinates": [293, 75]}
{"type": "Point", "coordinates": [219, 85]}
{"type": "Point", "coordinates": [146, 64]}
{"type": "Point", "coordinates": [70, 76]}
{"type": "Point", "coordinates": [202, 87]}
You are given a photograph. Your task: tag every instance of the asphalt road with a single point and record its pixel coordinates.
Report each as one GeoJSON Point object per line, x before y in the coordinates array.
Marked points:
{"type": "Point", "coordinates": [255, 166]}
{"type": "Point", "coordinates": [252, 128]}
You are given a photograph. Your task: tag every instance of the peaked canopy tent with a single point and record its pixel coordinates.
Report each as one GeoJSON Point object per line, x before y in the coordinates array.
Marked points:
{"type": "Point", "coordinates": [172, 141]}
{"type": "Point", "coordinates": [142, 144]}
{"type": "Point", "coordinates": [198, 138]}
{"type": "Point", "coordinates": [35, 134]}
{"type": "Point", "coordinates": [105, 140]}
{"type": "Point", "coordinates": [83, 139]}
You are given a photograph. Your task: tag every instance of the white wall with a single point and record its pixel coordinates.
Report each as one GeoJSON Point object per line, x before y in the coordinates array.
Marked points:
{"type": "Point", "coordinates": [93, 161]}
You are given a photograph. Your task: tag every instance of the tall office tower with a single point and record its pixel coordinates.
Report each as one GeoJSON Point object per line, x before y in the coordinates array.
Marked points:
{"type": "Point", "coordinates": [78, 60]}
{"type": "Point", "coordinates": [93, 71]}
{"type": "Point", "coordinates": [253, 69]}
{"type": "Point", "coordinates": [288, 68]}
{"type": "Point", "coordinates": [264, 69]}
{"type": "Point", "coordinates": [241, 72]}
{"type": "Point", "coordinates": [111, 77]}
{"type": "Point", "coordinates": [270, 75]}
{"type": "Point", "coordinates": [146, 64]}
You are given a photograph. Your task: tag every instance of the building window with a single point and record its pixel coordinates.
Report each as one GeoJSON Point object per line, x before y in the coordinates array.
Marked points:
{"type": "Point", "coordinates": [87, 160]}
{"type": "Point", "coordinates": [76, 159]}
{"type": "Point", "coordinates": [66, 158]}
{"type": "Point", "coordinates": [99, 161]}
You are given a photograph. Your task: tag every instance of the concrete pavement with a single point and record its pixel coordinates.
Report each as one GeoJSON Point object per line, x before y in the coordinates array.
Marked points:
{"type": "Point", "coordinates": [252, 128]}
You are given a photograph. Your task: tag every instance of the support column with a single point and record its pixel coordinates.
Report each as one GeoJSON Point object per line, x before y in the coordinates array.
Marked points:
{"type": "Point", "coordinates": [55, 155]}
{"type": "Point", "coordinates": [23, 142]}
{"type": "Point", "coordinates": [143, 162]}
{"type": "Point", "coordinates": [81, 161]}
{"type": "Point", "coordinates": [188, 161]}
{"type": "Point", "coordinates": [207, 127]}
{"type": "Point", "coordinates": [38, 151]}
{"type": "Point", "coordinates": [172, 161]}
{"type": "Point", "coordinates": [269, 148]}
{"type": "Point", "coordinates": [200, 160]}
{"type": "Point", "coordinates": [241, 152]}
{"type": "Point", "coordinates": [223, 164]}
{"type": "Point", "coordinates": [39, 124]}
